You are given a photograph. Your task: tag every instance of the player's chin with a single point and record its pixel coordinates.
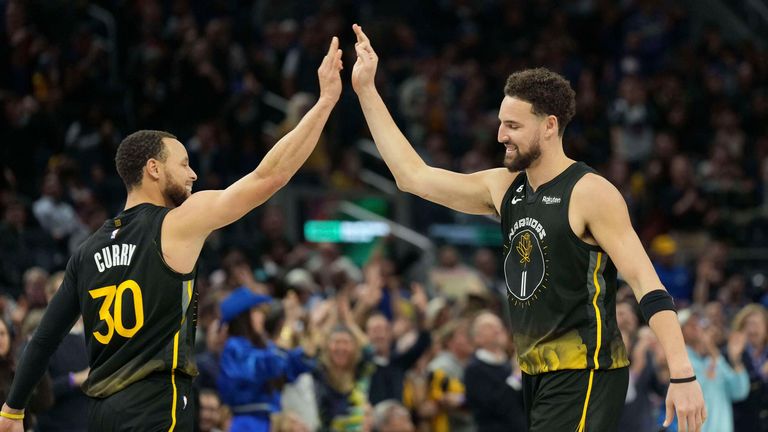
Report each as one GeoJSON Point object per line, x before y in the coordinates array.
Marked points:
{"type": "Point", "coordinates": [510, 163]}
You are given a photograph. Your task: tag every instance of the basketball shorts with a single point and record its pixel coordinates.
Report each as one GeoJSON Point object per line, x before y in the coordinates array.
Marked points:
{"type": "Point", "coordinates": [575, 400]}
{"type": "Point", "coordinates": [149, 405]}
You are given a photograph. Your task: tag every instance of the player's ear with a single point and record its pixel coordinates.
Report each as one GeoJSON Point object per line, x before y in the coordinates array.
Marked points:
{"type": "Point", "coordinates": [153, 168]}
{"type": "Point", "coordinates": [551, 127]}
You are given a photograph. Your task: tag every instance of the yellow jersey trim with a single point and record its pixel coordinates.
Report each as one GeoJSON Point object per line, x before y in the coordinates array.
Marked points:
{"type": "Point", "coordinates": [597, 312]}
{"type": "Point", "coordinates": [176, 363]}
{"type": "Point", "coordinates": [583, 422]}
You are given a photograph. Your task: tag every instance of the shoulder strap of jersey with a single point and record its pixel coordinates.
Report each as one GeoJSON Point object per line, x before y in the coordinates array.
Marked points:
{"type": "Point", "coordinates": [517, 183]}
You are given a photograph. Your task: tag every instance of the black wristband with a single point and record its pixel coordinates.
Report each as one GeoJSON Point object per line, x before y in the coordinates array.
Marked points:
{"type": "Point", "coordinates": [656, 301]}
{"type": "Point", "coordinates": [682, 380]}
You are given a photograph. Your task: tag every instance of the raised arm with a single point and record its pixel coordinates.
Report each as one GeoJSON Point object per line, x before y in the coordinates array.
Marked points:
{"type": "Point", "coordinates": [206, 211]}
{"type": "Point", "coordinates": [598, 209]}
{"type": "Point", "coordinates": [477, 193]}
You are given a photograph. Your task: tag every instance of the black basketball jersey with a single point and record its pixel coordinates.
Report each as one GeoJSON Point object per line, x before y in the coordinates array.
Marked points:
{"type": "Point", "coordinates": [561, 290]}
{"type": "Point", "coordinates": [139, 314]}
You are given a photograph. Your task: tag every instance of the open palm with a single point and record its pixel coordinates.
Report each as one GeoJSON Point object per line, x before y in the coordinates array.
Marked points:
{"type": "Point", "coordinates": [364, 70]}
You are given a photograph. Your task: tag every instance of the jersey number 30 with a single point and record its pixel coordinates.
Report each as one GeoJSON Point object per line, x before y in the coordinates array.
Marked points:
{"type": "Point", "coordinates": [115, 293]}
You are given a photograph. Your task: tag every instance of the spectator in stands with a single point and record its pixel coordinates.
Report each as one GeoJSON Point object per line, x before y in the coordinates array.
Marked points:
{"type": "Point", "coordinates": [68, 369]}
{"type": "Point", "coordinates": [454, 279]}
{"type": "Point", "coordinates": [22, 245]}
{"type": "Point", "coordinates": [721, 383]}
{"type": "Point", "coordinates": [252, 368]}
{"type": "Point", "coordinates": [55, 215]}
{"type": "Point", "coordinates": [645, 378]}
{"type": "Point", "coordinates": [391, 365]}
{"type": "Point", "coordinates": [42, 397]}
{"type": "Point", "coordinates": [342, 380]}
{"type": "Point", "coordinates": [494, 388]}
{"type": "Point", "coordinates": [752, 413]}
{"type": "Point", "coordinates": [446, 380]}
{"type": "Point", "coordinates": [674, 275]}
{"type": "Point", "coordinates": [391, 416]}
{"type": "Point", "coordinates": [211, 418]}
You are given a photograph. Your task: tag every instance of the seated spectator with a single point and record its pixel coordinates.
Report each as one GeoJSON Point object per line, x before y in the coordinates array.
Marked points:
{"type": "Point", "coordinates": [494, 388]}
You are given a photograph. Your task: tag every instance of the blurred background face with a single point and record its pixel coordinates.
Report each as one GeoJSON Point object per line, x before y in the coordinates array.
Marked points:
{"type": "Point", "coordinates": [210, 411]}
{"type": "Point", "coordinates": [460, 344]}
{"type": "Point", "coordinates": [341, 350]}
{"type": "Point", "coordinates": [399, 421]}
{"type": "Point", "coordinates": [626, 318]}
{"type": "Point", "coordinates": [693, 330]}
{"type": "Point", "coordinates": [5, 340]}
{"type": "Point", "coordinates": [755, 329]}
{"type": "Point", "coordinates": [489, 333]}
{"type": "Point", "coordinates": [258, 316]}
{"type": "Point", "coordinates": [379, 333]}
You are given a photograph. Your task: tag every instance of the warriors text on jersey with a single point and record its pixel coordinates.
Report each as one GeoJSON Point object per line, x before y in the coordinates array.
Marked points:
{"type": "Point", "coordinates": [561, 290]}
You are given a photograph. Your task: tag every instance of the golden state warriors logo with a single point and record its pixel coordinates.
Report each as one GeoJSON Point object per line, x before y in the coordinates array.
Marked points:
{"type": "Point", "coordinates": [525, 264]}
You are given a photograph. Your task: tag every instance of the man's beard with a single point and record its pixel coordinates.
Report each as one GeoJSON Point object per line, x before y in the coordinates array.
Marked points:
{"type": "Point", "coordinates": [176, 193]}
{"type": "Point", "coordinates": [522, 160]}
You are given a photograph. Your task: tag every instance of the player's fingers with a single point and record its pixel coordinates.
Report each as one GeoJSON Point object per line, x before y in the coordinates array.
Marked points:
{"type": "Point", "coordinates": [362, 55]}
{"type": "Point", "coordinates": [697, 421]}
{"type": "Point", "coordinates": [337, 60]}
{"type": "Point", "coordinates": [361, 36]}
{"type": "Point", "coordinates": [682, 422]}
{"type": "Point", "coordinates": [670, 414]}
{"type": "Point", "coordinates": [334, 46]}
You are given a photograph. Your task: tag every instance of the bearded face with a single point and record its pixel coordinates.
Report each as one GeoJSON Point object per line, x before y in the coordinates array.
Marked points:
{"type": "Point", "coordinates": [520, 160]}
{"type": "Point", "coordinates": [175, 192]}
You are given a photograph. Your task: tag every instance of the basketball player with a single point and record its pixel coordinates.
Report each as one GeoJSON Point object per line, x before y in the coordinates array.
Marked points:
{"type": "Point", "coordinates": [566, 233]}
{"type": "Point", "coordinates": [133, 280]}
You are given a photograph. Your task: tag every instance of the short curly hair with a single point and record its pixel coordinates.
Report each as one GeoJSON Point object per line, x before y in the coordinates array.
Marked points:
{"type": "Point", "coordinates": [547, 91]}
{"type": "Point", "coordinates": [134, 152]}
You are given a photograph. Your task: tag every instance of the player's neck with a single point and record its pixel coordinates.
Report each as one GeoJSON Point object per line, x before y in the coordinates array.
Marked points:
{"type": "Point", "coordinates": [548, 166]}
{"type": "Point", "coordinates": [141, 195]}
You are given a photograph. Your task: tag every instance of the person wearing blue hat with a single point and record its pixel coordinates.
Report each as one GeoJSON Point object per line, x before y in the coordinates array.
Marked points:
{"type": "Point", "coordinates": [252, 368]}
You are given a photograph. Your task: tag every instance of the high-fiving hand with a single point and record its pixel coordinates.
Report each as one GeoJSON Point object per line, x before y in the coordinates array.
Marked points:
{"type": "Point", "coordinates": [364, 71]}
{"type": "Point", "coordinates": [328, 73]}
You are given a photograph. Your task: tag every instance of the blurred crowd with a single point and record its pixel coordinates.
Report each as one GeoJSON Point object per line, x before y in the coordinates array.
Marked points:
{"type": "Point", "coordinates": [676, 119]}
